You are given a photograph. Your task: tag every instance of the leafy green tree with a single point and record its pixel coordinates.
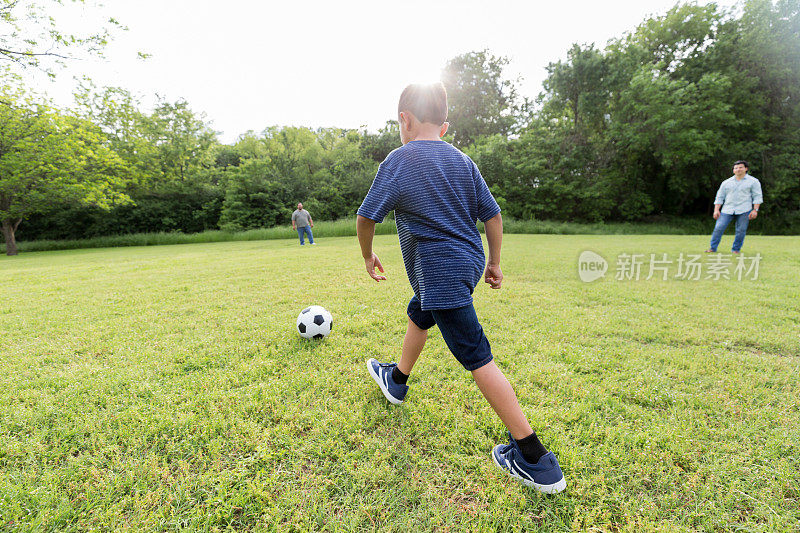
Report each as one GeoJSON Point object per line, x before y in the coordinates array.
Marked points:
{"type": "Point", "coordinates": [578, 87]}
{"type": "Point", "coordinates": [226, 156]}
{"type": "Point", "coordinates": [325, 169]}
{"type": "Point", "coordinates": [165, 146]}
{"type": "Point", "coordinates": [49, 158]}
{"type": "Point", "coordinates": [182, 138]}
{"type": "Point", "coordinates": [253, 199]}
{"type": "Point", "coordinates": [171, 155]}
{"type": "Point", "coordinates": [132, 134]}
{"type": "Point", "coordinates": [29, 35]}
{"type": "Point", "coordinates": [480, 100]}
{"type": "Point", "coordinates": [274, 173]}
{"type": "Point", "coordinates": [376, 146]}
{"type": "Point", "coordinates": [346, 175]}
{"type": "Point", "coordinates": [677, 125]}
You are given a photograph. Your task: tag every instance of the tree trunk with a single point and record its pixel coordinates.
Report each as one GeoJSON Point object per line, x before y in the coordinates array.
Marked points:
{"type": "Point", "coordinates": [9, 228]}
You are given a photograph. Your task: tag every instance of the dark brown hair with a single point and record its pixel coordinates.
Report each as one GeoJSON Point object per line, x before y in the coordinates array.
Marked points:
{"type": "Point", "coordinates": [427, 102]}
{"type": "Point", "coordinates": [742, 162]}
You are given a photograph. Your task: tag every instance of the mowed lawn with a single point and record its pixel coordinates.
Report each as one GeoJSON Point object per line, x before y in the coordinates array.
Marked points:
{"type": "Point", "coordinates": [164, 388]}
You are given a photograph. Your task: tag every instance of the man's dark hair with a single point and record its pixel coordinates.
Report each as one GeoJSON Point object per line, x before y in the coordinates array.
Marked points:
{"type": "Point", "coordinates": [427, 102]}
{"type": "Point", "coordinates": [742, 162]}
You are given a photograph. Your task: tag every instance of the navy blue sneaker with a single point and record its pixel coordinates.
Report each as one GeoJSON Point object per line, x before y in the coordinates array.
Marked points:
{"type": "Point", "coordinates": [382, 374]}
{"type": "Point", "coordinates": [545, 476]}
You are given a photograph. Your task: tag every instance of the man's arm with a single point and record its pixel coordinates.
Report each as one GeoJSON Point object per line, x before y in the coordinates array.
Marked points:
{"type": "Point", "coordinates": [310, 220]}
{"type": "Point", "coordinates": [365, 229]}
{"type": "Point", "coordinates": [494, 236]}
{"type": "Point", "coordinates": [758, 199]}
{"type": "Point", "coordinates": [719, 200]}
{"type": "Point", "coordinates": [294, 226]}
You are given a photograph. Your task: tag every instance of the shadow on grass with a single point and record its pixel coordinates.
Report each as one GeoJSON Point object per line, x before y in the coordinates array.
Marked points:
{"type": "Point", "coordinates": [301, 345]}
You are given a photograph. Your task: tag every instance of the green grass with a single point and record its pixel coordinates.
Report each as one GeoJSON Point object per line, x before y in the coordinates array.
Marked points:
{"type": "Point", "coordinates": [163, 388]}
{"type": "Point", "coordinates": [347, 227]}
{"type": "Point", "coordinates": [336, 228]}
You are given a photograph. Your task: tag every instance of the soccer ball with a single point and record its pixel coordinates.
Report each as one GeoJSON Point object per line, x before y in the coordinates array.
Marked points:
{"type": "Point", "coordinates": [314, 322]}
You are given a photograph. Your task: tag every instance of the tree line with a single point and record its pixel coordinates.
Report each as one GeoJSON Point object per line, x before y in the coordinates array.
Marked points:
{"type": "Point", "coordinates": [643, 129]}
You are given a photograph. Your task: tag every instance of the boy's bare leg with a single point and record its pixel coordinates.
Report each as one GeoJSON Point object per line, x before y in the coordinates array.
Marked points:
{"type": "Point", "coordinates": [413, 343]}
{"type": "Point", "coordinates": [497, 390]}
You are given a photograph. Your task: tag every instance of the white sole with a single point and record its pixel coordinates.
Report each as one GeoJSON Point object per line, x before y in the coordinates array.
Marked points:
{"type": "Point", "coordinates": [383, 388]}
{"type": "Point", "coordinates": [553, 488]}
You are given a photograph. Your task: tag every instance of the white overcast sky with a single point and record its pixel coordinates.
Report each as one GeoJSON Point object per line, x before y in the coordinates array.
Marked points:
{"type": "Point", "coordinates": [249, 65]}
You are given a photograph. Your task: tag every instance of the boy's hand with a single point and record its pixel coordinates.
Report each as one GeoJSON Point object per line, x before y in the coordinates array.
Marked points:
{"type": "Point", "coordinates": [371, 264]}
{"type": "Point", "coordinates": [493, 276]}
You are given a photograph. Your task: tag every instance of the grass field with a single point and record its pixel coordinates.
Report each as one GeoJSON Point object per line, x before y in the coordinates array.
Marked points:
{"type": "Point", "coordinates": [346, 227]}
{"type": "Point", "coordinates": [163, 388]}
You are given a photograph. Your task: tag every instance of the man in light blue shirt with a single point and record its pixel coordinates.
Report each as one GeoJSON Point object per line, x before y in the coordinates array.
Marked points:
{"type": "Point", "coordinates": [739, 198]}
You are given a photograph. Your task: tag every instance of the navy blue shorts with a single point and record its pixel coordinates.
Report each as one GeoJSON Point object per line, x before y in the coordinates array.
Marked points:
{"type": "Point", "coordinates": [460, 329]}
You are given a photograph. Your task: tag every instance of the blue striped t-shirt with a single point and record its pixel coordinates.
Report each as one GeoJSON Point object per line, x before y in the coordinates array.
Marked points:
{"type": "Point", "coordinates": [438, 195]}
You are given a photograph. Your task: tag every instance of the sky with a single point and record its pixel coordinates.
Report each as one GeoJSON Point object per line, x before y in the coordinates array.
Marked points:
{"type": "Point", "coordinates": [248, 65]}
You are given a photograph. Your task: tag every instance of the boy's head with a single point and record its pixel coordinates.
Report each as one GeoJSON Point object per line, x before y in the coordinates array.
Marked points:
{"type": "Point", "coordinates": [422, 111]}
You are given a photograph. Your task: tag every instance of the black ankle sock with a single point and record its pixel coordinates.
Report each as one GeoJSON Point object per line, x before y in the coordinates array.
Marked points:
{"type": "Point", "coordinates": [398, 377]}
{"type": "Point", "coordinates": [532, 450]}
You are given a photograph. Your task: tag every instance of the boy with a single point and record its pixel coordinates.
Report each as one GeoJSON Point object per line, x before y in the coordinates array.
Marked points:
{"type": "Point", "coordinates": [437, 194]}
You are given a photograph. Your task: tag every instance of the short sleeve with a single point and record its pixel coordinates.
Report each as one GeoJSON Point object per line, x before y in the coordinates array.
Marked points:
{"type": "Point", "coordinates": [382, 195]}
{"type": "Point", "coordinates": [487, 205]}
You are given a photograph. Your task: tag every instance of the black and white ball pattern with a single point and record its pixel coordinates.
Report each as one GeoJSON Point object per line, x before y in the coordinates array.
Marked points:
{"type": "Point", "coordinates": [314, 322]}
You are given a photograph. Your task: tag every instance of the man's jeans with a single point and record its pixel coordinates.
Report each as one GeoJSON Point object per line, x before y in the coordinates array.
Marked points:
{"type": "Point", "coordinates": [302, 231]}
{"type": "Point", "coordinates": [722, 223]}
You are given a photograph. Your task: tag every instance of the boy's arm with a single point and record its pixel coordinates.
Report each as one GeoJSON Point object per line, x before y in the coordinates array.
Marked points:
{"type": "Point", "coordinates": [365, 229]}
{"type": "Point", "coordinates": [494, 236]}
